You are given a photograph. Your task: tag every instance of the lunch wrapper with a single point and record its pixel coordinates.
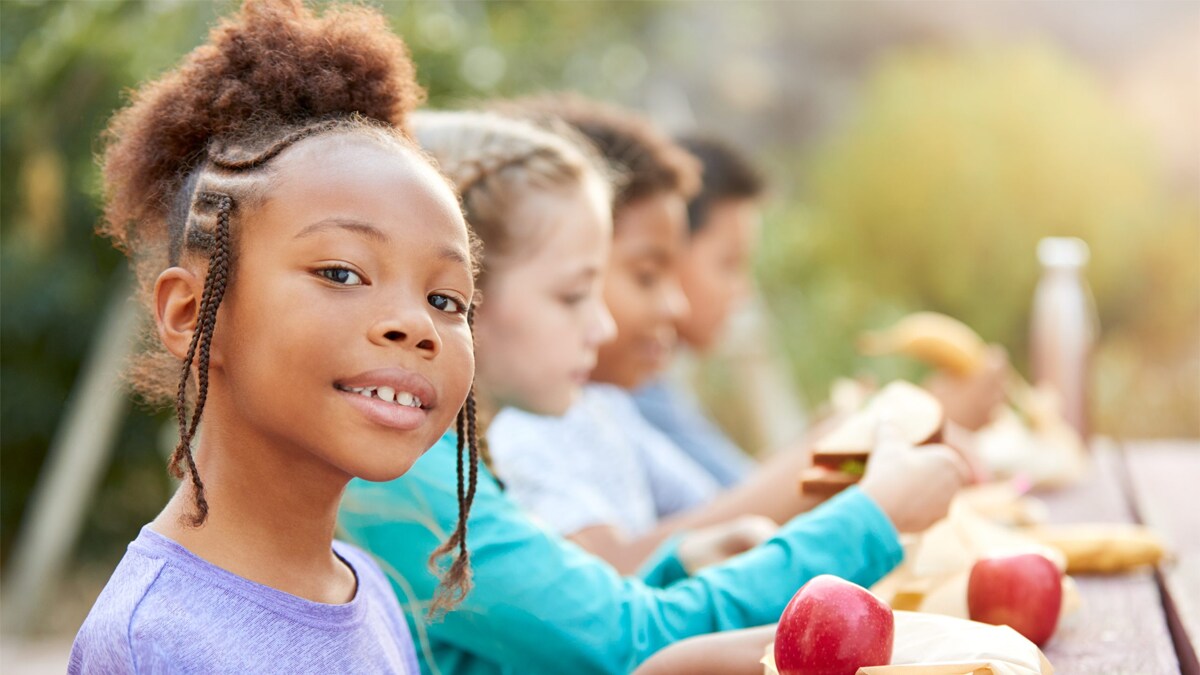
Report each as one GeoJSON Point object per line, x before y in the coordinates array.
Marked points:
{"type": "Point", "coordinates": [937, 563]}
{"type": "Point", "coordinates": [930, 644]}
{"type": "Point", "coordinates": [1041, 448]}
{"type": "Point", "coordinates": [929, 591]}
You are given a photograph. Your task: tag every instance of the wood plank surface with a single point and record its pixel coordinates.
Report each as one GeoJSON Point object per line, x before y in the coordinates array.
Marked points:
{"type": "Point", "coordinates": [1163, 476]}
{"type": "Point", "coordinates": [1121, 627]}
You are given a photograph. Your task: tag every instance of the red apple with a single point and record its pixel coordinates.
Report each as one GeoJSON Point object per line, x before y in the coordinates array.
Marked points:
{"type": "Point", "coordinates": [1022, 591]}
{"type": "Point", "coordinates": [833, 627]}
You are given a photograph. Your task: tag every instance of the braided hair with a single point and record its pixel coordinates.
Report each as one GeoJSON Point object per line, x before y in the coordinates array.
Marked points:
{"type": "Point", "coordinates": [649, 161]}
{"type": "Point", "coordinates": [494, 163]}
{"type": "Point", "coordinates": [191, 156]}
{"type": "Point", "coordinates": [456, 580]}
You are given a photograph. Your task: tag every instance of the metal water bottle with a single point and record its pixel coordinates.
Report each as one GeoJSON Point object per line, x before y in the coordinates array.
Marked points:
{"type": "Point", "coordinates": [1063, 327]}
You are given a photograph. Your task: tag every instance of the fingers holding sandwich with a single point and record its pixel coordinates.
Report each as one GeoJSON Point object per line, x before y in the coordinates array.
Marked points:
{"type": "Point", "coordinates": [912, 485]}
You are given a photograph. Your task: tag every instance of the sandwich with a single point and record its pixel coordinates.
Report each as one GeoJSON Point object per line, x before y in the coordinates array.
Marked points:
{"type": "Point", "coordinates": [840, 456]}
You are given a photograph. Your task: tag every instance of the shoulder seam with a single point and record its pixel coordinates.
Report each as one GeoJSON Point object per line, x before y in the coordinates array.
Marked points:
{"type": "Point", "coordinates": [162, 564]}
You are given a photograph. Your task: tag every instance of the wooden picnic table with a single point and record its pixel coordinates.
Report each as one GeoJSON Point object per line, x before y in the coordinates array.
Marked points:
{"type": "Point", "coordinates": [1147, 621]}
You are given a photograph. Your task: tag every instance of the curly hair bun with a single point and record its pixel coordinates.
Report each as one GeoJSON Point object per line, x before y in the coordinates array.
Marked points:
{"type": "Point", "coordinates": [273, 64]}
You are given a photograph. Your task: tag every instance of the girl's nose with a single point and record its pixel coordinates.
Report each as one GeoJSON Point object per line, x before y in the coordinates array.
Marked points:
{"type": "Point", "coordinates": [603, 328]}
{"type": "Point", "coordinates": [410, 327]}
{"type": "Point", "coordinates": [674, 303]}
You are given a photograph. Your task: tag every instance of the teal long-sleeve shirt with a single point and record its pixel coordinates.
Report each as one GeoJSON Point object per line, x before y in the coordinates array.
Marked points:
{"type": "Point", "coordinates": [543, 605]}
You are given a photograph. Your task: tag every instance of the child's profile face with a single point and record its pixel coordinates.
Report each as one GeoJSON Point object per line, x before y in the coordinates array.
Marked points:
{"type": "Point", "coordinates": [543, 316]}
{"type": "Point", "coordinates": [350, 286]}
{"type": "Point", "coordinates": [642, 289]}
{"type": "Point", "coordinates": [715, 269]}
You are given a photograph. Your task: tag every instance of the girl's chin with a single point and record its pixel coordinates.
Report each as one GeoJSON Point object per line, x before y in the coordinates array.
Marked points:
{"type": "Point", "coordinates": [645, 372]}
{"type": "Point", "coordinates": [385, 471]}
{"type": "Point", "coordinates": [555, 406]}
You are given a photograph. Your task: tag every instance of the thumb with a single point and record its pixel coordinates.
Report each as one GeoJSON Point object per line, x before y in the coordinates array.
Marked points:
{"type": "Point", "coordinates": [955, 460]}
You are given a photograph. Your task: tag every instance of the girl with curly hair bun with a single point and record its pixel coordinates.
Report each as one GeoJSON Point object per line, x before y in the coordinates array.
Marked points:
{"type": "Point", "coordinates": [311, 280]}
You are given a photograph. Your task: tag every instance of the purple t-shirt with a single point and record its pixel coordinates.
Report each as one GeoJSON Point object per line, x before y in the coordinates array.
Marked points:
{"type": "Point", "coordinates": [167, 611]}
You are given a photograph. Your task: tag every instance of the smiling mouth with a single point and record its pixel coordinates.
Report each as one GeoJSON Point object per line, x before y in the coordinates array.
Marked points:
{"type": "Point", "coordinates": [385, 394]}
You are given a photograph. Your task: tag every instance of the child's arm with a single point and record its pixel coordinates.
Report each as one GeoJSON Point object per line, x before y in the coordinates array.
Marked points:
{"type": "Point", "coordinates": [736, 652]}
{"type": "Point", "coordinates": [543, 605]}
{"type": "Point", "coordinates": [771, 492]}
{"type": "Point", "coordinates": [695, 549]}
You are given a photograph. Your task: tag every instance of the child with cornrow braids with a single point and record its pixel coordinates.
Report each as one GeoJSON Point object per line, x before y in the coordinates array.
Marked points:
{"type": "Point", "coordinates": [311, 280]}
{"type": "Point", "coordinates": [541, 604]}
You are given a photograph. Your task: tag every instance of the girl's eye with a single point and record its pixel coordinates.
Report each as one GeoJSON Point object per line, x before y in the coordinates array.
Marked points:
{"type": "Point", "coordinates": [446, 304]}
{"type": "Point", "coordinates": [574, 299]}
{"type": "Point", "coordinates": [341, 276]}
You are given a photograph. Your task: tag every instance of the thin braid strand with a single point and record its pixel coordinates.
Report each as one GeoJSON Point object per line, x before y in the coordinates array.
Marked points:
{"type": "Point", "coordinates": [214, 291]}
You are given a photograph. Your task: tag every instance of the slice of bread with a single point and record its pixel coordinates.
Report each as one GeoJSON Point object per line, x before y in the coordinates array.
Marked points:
{"type": "Point", "coordinates": [819, 481]}
{"type": "Point", "coordinates": [914, 412]}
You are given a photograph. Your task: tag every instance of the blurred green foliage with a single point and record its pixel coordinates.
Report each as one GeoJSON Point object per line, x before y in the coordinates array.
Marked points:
{"type": "Point", "coordinates": [934, 195]}
{"type": "Point", "coordinates": [65, 67]}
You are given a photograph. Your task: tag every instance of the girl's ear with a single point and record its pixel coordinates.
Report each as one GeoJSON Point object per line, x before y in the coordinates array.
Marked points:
{"type": "Point", "coordinates": [177, 294]}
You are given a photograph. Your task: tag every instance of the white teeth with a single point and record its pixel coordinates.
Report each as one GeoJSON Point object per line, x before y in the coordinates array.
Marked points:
{"type": "Point", "coordinates": [388, 394]}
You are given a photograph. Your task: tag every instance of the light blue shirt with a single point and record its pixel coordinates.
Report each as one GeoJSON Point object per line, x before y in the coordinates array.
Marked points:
{"type": "Point", "coordinates": [543, 605]}
{"type": "Point", "coordinates": [601, 463]}
{"type": "Point", "coordinates": [678, 415]}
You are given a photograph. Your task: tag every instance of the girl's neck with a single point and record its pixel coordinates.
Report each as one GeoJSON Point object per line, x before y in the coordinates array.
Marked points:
{"type": "Point", "coordinates": [271, 514]}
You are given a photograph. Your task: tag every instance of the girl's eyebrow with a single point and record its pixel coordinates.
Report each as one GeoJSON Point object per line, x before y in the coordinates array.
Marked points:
{"type": "Point", "coordinates": [653, 252]}
{"type": "Point", "coordinates": [358, 227]}
{"type": "Point", "coordinates": [586, 273]}
{"type": "Point", "coordinates": [369, 231]}
{"type": "Point", "coordinates": [453, 255]}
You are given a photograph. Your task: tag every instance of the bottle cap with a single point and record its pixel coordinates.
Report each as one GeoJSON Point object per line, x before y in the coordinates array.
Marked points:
{"type": "Point", "coordinates": [1062, 252]}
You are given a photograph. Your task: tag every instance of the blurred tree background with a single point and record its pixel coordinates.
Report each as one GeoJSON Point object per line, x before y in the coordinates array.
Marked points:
{"type": "Point", "coordinates": [934, 195]}
{"type": "Point", "coordinates": [916, 151]}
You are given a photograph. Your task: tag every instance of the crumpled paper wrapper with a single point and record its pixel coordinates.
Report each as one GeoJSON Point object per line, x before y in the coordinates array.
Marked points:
{"type": "Point", "coordinates": [1004, 503]}
{"type": "Point", "coordinates": [937, 563]}
{"type": "Point", "coordinates": [1041, 447]}
{"type": "Point", "coordinates": [930, 644]}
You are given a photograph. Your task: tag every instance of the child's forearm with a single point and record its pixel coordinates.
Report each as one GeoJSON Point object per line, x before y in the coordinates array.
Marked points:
{"type": "Point", "coordinates": [772, 491]}
{"type": "Point", "coordinates": [731, 653]}
{"type": "Point", "coordinates": [626, 554]}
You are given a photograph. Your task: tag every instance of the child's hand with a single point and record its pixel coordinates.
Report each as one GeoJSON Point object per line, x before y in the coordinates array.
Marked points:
{"type": "Point", "coordinates": [970, 399]}
{"type": "Point", "coordinates": [716, 543]}
{"type": "Point", "coordinates": [913, 486]}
